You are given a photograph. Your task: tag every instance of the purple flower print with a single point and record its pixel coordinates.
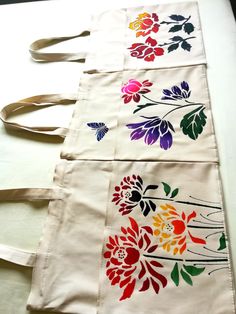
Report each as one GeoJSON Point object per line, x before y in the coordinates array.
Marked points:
{"type": "Point", "coordinates": [152, 129]}
{"type": "Point", "coordinates": [177, 92]}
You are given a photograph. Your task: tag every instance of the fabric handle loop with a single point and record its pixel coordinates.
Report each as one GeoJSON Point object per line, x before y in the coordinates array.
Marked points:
{"type": "Point", "coordinates": [14, 255]}
{"type": "Point", "coordinates": [40, 56]}
{"type": "Point", "coordinates": [37, 101]}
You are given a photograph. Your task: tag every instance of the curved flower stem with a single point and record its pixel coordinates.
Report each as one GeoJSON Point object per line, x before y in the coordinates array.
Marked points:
{"type": "Point", "coordinates": [176, 42]}
{"type": "Point", "coordinates": [214, 251]}
{"type": "Point", "coordinates": [201, 200]}
{"type": "Point", "coordinates": [160, 102]}
{"type": "Point", "coordinates": [192, 104]}
{"type": "Point", "coordinates": [217, 270]}
{"type": "Point", "coordinates": [180, 202]}
{"type": "Point", "coordinates": [217, 260]}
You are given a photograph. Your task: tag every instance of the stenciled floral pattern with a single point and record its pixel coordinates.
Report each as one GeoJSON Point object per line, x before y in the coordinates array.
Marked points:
{"type": "Point", "coordinates": [126, 264]}
{"type": "Point", "coordinates": [172, 229]}
{"type": "Point", "coordinates": [145, 24]}
{"type": "Point", "coordinates": [133, 89]}
{"type": "Point", "coordinates": [147, 51]}
{"type": "Point", "coordinates": [153, 128]}
{"type": "Point", "coordinates": [129, 195]}
{"type": "Point", "coordinates": [133, 257]}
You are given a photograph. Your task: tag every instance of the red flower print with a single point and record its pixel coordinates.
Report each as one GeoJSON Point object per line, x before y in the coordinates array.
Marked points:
{"type": "Point", "coordinates": [129, 194]}
{"type": "Point", "coordinates": [133, 88]}
{"type": "Point", "coordinates": [127, 266]}
{"type": "Point", "coordinates": [144, 24]}
{"type": "Point", "coordinates": [172, 229]}
{"type": "Point", "coordinates": [147, 52]}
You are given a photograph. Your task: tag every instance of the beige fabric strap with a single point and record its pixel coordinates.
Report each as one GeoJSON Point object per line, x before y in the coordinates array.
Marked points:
{"type": "Point", "coordinates": [31, 194]}
{"type": "Point", "coordinates": [16, 256]}
{"type": "Point", "coordinates": [37, 101]}
{"type": "Point", "coordinates": [39, 56]}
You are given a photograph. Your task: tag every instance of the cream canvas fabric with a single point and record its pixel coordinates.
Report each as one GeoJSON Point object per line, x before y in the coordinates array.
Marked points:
{"type": "Point", "coordinates": [143, 115]}
{"type": "Point", "coordinates": [163, 248]}
{"type": "Point", "coordinates": [145, 37]}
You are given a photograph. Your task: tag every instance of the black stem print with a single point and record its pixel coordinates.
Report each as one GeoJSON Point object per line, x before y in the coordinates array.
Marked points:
{"type": "Point", "coordinates": [176, 42]}
{"type": "Point", "coordinates": [200, 254]}
{"type": "Point", "coordinates": [214, 213]}
{"type": "Point", "coordinates": [186, 260]}
{"type": "Point", "coordinates": [216, 270]}
{"type": "Point", "coordinates": [207, 223]}
{"type": "Point", "coordinates": [180, 202]}
{"type": "Point", "coordinates": [211, 220]}
{"type": "Point", "coordinates": [205, 227]}
{"type": "Point", "coordinates": [211, 234]}
{"type": "Point", "coordinates": [204, 264]}
{"type": "Point", "coordinates": [214, 251]}
{"type": "Point", "coordinates": [184, 106]}
{"type": "Point", "coordinates": [198, 199]}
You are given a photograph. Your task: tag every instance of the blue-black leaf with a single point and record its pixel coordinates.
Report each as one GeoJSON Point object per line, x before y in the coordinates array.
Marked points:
{"type": "Point", "coordinates": [173, 47]}
{"type": "Point", "coordinates": [188, 28]}
{"type": "Point", "coordinates": [177, 38]}
{"type": "Point", "coordinates": [175, 28]}
{"type": "Point", "coordinates": [177, 17]}
{"type": "Point", "coordinates": [186, 46]}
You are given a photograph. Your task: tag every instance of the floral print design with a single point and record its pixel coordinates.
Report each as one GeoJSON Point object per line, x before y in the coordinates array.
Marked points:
{"type": "Point", "coordinates": [133, 88]}
{"type": "Point", "coordinates": [172, 230]}
{"type": "Point", "coordinates": [134, 259]}
{"type": "Point", "coordinates": [145, 24]}
{"type": "Point", "coordinates": [126, 265]}
{"type": "Point", "coordinates": [129, 195]}
{"type": "Point", "coordinates": [147, 51]}
{"type": "Point", "coordinates": [151, 130]}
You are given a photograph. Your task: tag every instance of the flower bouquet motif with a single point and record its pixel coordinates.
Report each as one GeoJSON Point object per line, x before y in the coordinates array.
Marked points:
{"type": "Point", "coordinates": [135, 258]}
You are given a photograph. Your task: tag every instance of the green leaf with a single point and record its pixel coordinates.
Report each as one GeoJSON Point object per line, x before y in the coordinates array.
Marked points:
{"type": "Point", "coordinates": [176, 38]}
{"type": "Point", "coordinates": [193, 122]}
{"type": "Point", "coordinates": [174, 193]}
{"type": "Point", "coordinates": [194, 271]}
{"type": "Point", "coordinates": [222, 241]}
{"type": "Point", "coordinates": [186, 277]}
{"type": "Point", "coordinates": [173, 47]}
{"type": "Point", "coordinates": [186, 46]}
{"type": "Point", "coordinates": [175, 28]}
{"type": "Point", "coordinates": [188, 28]}
{"type": "Point", "coordinates": [175, 274]}
{"type": "Point", "coordinates": [177, 17]}
{"type": "Point", "coordinates": [167, 188]}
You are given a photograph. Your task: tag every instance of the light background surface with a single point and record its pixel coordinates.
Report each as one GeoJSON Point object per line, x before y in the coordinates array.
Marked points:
{"type": "Point", "coordinates": [27, 160]}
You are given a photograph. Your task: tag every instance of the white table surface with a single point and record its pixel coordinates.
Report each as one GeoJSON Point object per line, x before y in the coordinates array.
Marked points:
{"type": "Point", "coordinates": [29, 161]}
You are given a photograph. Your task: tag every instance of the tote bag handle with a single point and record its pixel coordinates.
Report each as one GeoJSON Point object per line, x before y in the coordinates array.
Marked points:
{"type": "Point", "coordinates": [39, 56]}
{"type": "Point", "coordinates": [14, 255]}
{"type": "Point", "coordinates": [37, 101]}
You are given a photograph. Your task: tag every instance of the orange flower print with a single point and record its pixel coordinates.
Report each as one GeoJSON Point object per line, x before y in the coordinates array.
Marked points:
{"type": "Point", "coordinates": [172, 229]}
{"type": "Point", "coordinates": [144, 24]}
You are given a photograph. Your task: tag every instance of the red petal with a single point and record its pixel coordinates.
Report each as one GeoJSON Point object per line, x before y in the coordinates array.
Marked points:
{"type": "Point", "coordinates": [191, 216]}
{"type": "Point", "coordinates": [109, 246]}
{"type": "Point", "coordinates": [152, 42]}
{"type": "Point", "coordinates": [129, 272]}
{"type": "Point", "coordinates": [134, 225]}
{"type": "Point", "coordinates": [152, 248]}
{"type": "Point", "coordinates": [148, 229]}
{"type": "Point", "coordinates": [136, 97]}
{"type": "Point", "coordinates": [142, 272]}
{"type": "Point", "coordinates": [107, 254]}
{"type": "Point", "coordinates": [158, 51]}
{"type": "Point", "coordinates": [155, 263]}
{"type": "Point", "coordinates": [150, 57]}
{"type": "Point", "coordinates": [197, 240]}
{"type": "Point", "coordinates": [145, 286]}
{"type": "Point", "coordinates": [155, 285]}
{"type": "Point", "coordinates": [128, 290]}
{"type": "Point", "coordinates": [183, 248]}
{"type": "Point", "coordinates": [140, 242]}
{"type": "Point", "coordinates": [135, 45]}
{"type": "Point", "coordinates": [123, 230]}
{"type": "Point", "coordinates": [160, 277]}
{"type": "Point", "coordinates": [125, 281]}
{"type": "Point", "coordinates": [148, 241]}
{"type": "Point", "coordinates": [130, 231]}
{"type": "Point", "coordinates": [115, 280]}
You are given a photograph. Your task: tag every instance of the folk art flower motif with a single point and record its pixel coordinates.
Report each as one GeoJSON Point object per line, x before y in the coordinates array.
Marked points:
{"type": "Point", "coordinates": [145, 23]}
{"type": "Point", "coordinates": [133, 89]}
{"type": "Point", "coordinates": [129, 195]}
{"type": "Point", "coordinates": [126, 265]}
{"type": "Point", "coordinates": [177, 92]}
{"type": "Point", "coordinates": [133, 259]}
{"type": "Point", "coordinates": [147, 51]}
{"type": "Point", "coordinates": [151, 130]}
{"type": "Point", "coordinates": [172, 229]}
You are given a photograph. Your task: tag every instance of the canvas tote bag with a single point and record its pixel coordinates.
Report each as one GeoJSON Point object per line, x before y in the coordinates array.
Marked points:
{"type": "Point", "coordinates": [147, 236]}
